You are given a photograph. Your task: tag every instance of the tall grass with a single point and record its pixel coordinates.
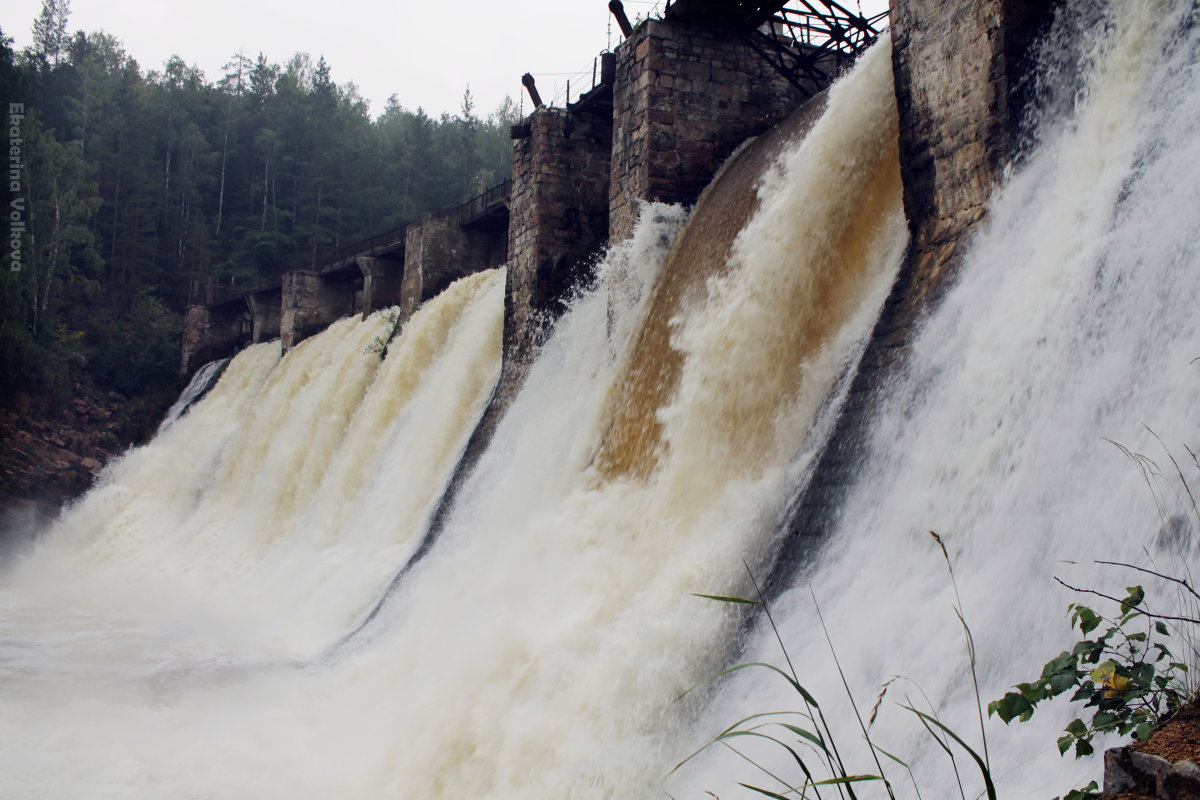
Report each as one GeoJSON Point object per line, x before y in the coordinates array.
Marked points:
{"type": "Point", "coordinates": [804, 735]}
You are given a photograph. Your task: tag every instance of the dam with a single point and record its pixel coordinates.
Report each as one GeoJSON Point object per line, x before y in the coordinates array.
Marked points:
{"type": "Point", "coordinates": [928, 299]}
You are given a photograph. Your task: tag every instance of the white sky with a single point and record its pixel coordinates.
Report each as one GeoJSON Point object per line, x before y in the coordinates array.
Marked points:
{"type": "Point", "coordinates": [425, 52]}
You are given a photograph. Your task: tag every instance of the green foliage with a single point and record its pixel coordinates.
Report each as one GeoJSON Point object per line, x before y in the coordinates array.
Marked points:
{"type": "Point", "coordinates": [1121, 669]}
{"type": "Point", "coordinates": [147, 185]}
{"type": "Point", "coordinates": [136, 353]}
{"type": "Point", "coordinates": [380, 343]}
{"type": "Point", "coordinates": [803, 734]}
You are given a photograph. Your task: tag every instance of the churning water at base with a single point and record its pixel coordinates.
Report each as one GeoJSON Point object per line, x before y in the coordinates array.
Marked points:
{"type": "Point", "coordinates": [170, 635]}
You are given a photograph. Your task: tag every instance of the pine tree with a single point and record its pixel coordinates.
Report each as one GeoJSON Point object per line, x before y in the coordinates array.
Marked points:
{"type": "Point", "coordinates": [50, 32]}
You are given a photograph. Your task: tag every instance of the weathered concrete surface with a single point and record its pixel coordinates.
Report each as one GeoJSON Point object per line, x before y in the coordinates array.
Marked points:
{"type": "Point", "coordinates": [382, 280]}
{"type": "Point", "coordinates": [266, 309]}
{"type": "Point", "coordinates": [958, 66]}
{"type": "Point", "coordinates": [310, 304]}
{"type": "Point", "coordinates": [438, 251]}
{"type": "Point", "coordinates": [210, 333]}
{"type": "Point", "coordinates": [685, 98]}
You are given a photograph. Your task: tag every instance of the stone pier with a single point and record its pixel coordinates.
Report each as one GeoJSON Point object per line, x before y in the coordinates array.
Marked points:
{"type": "Point", "coordinates": [957, 66]}
{"type": "Point", "coordinates": [559, 212]}
{"type": "Point", "coordinates": [686, 97]}
{"type": "Point", "coordinates": [211, 332]}
{"type": "Point", "coordinates": [310, 304]}
{"type": "Point", "coordinates": [265, 310]}
{"type": "Point", "coordinates": [382, 279]}
{"type": "Point", "coordinates": [439, 251]}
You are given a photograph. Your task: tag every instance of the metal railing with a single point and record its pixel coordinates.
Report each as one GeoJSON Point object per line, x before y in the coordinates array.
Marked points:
{"type": "Point", "coordinates": [369, 247]}
{"type": "Point", "coordinates": [216, 294]}
{"type": "Point", "coordinates": [834, 28]}
{"type": "Point", "coordinates": [480, 204]}
{"type": "Point", "coordinates": [569, 87]}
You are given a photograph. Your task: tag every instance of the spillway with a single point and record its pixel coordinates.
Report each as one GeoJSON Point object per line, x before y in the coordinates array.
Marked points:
{"type": "Point", "coordinates": [201, 623]}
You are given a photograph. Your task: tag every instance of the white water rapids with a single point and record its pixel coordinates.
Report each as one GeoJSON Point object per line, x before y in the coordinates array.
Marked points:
{"type": "Point", "coordinates": [1074, 325]}
{"type": "Point", "coordinates": [174, 634]}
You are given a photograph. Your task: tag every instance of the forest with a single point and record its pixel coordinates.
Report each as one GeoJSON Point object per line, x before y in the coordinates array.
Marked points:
{"type": "Point", "coordinates": [130, 190]}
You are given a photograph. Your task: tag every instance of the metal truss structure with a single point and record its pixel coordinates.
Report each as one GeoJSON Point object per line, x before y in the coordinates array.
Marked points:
{"type": "Point", "coordinates": [806, 41]}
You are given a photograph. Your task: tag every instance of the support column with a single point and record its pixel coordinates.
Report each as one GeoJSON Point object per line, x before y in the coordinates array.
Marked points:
{"type": "Point", "coordinates": [311, 303]}
{"type": "Point", "coordinates": [958, 66]}
{"type": "Point", "coordinates": [558, 215]}
{"type": "Point", "coordinates": [211, 332]}
{"type": "Point", "coordinates": [265, 311]}
{"type": "Point", "coordinates": [437, 252]}
{"type": "Point", "coordinates": [382, 283]}
{"type": "Point", "coordinates": [685, 98]}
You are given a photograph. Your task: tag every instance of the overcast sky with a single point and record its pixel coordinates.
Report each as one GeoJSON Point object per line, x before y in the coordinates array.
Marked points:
{"type": "Point", "coordinates": [426, 53]}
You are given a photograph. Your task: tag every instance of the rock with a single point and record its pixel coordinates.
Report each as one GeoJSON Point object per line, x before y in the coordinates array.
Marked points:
{"type": "Point", "coordinates": [1127, 770]}
{"type": "Point", "coordinates": [91, 465]}
{"type": "Point", "coordinates": [22, 403]}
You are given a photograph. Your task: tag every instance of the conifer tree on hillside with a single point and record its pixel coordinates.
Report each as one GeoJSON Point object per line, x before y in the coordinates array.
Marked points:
{"type": "Point", "coordinates": [146, 186]}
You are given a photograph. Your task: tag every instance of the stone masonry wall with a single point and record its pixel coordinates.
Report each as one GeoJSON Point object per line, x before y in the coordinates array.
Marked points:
{"type": "Point", "coordinates": [311, 303]}
{"type": "Point", "coordinates": [685, 98]}
{"type": "Point", "coordinates": [210, 333]}
{"type": "Point", "coordinates": [558, 215]}
{"type": "Point", "coordinates": [382, 280]}
{"type": "Point", "coordinates": [957, 66]}
{"type": "Point", "coordinates": [437, 252]}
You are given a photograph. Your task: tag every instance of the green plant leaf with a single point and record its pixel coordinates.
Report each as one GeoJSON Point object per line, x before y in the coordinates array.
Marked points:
{"type": "Point", "coordinates": [766, 792]}
{"type": "Point", "coordinates": [1086, 619]}
{"type": "Point", "coordinates": [1135, 598]}
{"type": "Point", "coordinates": [1089, 792]}
{"type": "Point", "coordinates": [927, 720]}
{"type": "Point", "coordinates": [1010, 707]}
{"type": "Point", "coordinates": [1083, 747]}
{"type": "Point", "coordinates": [808, 735]}
{"type": "Point", "coordinates": [724, 599]}
{"type": "Point", "coordinates": [889, 755]}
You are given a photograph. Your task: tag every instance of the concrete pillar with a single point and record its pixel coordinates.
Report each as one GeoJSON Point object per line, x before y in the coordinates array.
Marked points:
{"type": "Point", "coordinates": [382, 282]}
{"type": "Point", "coordinates": [311, 303]}
{"type": "Point", "coordinates": [958, 67]}
{"type": "Point", "coordinates": [265, 312]}
{"type": "Point", "coordinates": [685, 98]}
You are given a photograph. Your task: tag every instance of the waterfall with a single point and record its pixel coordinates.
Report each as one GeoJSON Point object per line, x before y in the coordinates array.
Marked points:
{"type": "Point", "coordinates": [1073, 326]}
{"type": "Point", "coordinates": [181, 629]}
{"type": "Point", "coordinates": [537, 649]}
{"type": "Point", "coordinates": [205, 378]}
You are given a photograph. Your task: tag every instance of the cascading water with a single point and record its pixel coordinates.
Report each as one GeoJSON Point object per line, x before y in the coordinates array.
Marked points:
{"type": "Point", "coordinates": [536, 649]}
{"type": "Point", "coordinates": [1074, 321]}
{"type": "Point", "coordinates": [176, 633]}
{"type": "Point", "coordinates": [201, 383]}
